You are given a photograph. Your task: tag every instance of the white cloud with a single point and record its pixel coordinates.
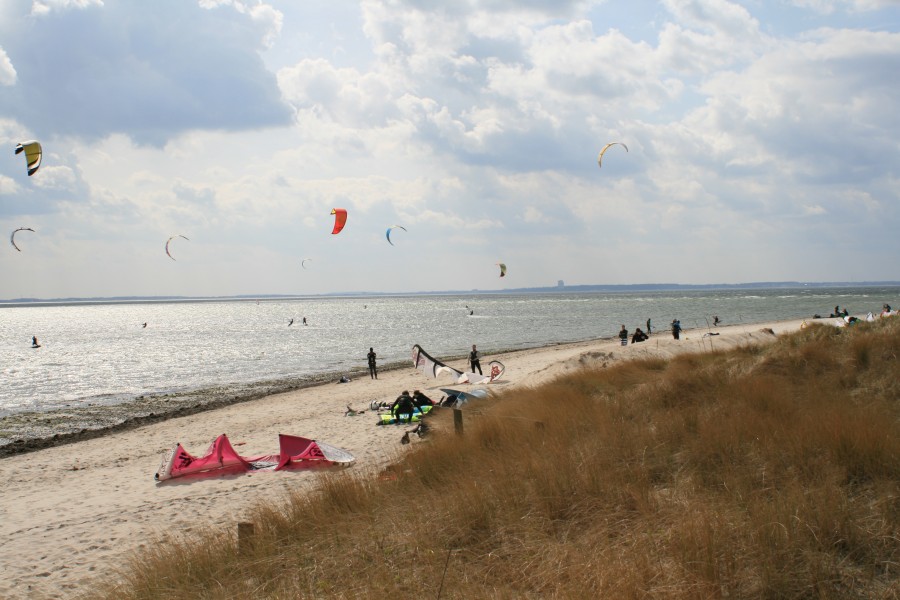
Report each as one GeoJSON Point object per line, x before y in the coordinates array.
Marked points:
{"type": "Point", "coordinates": [43, 7]}
{"type": "Point", "coordinates": [8, 186]}
{"type": "Point", "coordinates": [474, 124]}
{"type": "Point", "coordinates": [151, 70]}
{"type": "Point", "coordinates": [7, 71]}
{"type": "Point", "coordinates": [827, 7]}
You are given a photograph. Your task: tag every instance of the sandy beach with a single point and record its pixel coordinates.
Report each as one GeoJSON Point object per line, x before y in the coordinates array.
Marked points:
{"type": "Point", "coordinates": [70, 513]}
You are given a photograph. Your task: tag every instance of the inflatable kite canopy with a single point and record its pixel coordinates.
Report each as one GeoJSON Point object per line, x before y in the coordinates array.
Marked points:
{"type": "Point", "coordinates": [221, 458]}
{"type": "Point", "coordinates": [340, 219]}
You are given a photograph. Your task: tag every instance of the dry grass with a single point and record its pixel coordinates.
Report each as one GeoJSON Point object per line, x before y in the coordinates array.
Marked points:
{"type": "Point", "coordinates": [756, 473]}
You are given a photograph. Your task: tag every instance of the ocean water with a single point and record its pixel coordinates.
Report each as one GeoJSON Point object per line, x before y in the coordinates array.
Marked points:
{"type": "Point", "coordinates": [100, 354]}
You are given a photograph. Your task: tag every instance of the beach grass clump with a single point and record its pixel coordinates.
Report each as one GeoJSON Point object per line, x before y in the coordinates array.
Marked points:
{"type": "Point", "coordinates": [764, 473]}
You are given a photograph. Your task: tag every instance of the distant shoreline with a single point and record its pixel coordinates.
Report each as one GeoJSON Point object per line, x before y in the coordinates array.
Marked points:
{"type": "Point", "coordinates": [563, 289]}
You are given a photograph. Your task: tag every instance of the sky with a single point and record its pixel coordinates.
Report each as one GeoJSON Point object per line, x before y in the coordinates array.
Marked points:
{"type": "Point", "coordinates": [763, 144]}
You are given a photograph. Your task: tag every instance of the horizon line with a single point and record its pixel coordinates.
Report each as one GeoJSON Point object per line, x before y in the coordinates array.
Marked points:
{"type": "Point", "coordinates": [545, 289]}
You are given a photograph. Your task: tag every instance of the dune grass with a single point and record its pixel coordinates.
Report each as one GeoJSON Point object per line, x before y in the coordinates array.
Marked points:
{"type": "Point", "coordinates": [761, 472]}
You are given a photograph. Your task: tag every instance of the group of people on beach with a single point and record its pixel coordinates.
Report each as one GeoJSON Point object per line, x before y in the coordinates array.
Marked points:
{"type": "Point", "coordinates": [641, 336]}
{"type": "Point", "coordinates": [404, 407]}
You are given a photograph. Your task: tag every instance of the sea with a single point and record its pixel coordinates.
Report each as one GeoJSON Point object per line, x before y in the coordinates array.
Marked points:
{"type": "Point", "coordinates": [102, 363]}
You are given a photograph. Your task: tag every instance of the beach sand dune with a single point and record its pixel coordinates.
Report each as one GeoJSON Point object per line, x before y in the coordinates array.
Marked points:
{"type": "Point", "coordinates": [68, 514]}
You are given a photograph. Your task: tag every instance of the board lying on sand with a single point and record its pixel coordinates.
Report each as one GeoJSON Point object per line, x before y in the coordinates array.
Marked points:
{"type": "Point", "coordinates": [390, 419]}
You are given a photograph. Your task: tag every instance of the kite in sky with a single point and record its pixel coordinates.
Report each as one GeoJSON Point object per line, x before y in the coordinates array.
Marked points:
{"type": "Point", "coordinates": [168, 241]}
{"type": "Point", "coordinates": [605, 148]}
{"type": "Point", "coordinates": [502, 269]}
{"type": "Point", "coordinates": [387, 233]}
{"type": "Point", "coordinates": [340, 219]}
{"type": "Point", "coordinates": [33, 152]}
{"type": "Point", "coordinates": [12, 237]}
{"type": "Point", "coordinates": [304, 261]}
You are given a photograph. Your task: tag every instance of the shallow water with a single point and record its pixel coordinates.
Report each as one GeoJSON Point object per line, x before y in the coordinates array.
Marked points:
{"type": "Point", "coordinates": [98, 356]}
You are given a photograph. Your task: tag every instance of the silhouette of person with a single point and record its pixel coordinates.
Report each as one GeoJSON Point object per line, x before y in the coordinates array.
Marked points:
{"type": "Point", "coordinates": [676, 328]}
{"type": "Point", "coordinates": [475, 360]}
{"type": "Point", "coordinates": [373, 371]}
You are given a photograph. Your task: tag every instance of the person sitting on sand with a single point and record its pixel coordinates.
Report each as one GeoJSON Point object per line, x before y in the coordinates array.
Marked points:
{"type": "Point", "coordinates": [639, 336]}
{"type": "Point", "coordinates": [420, 399]}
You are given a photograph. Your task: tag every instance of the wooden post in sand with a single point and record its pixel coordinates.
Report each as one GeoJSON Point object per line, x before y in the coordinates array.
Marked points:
{"type": "Point", "coordinates": [457, 421]}
{"type": "Point", "coordinates": [245, 537]}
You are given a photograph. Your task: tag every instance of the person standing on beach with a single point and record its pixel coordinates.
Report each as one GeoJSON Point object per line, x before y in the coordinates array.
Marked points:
{"type": "Point", "coordinates": [623, 336]}
{"type": "Point", "coordinates": [475, 360]}
{"type": "Point", "coordinates": [648, 326]}
{"type": "Point", "coordinates": [676, 328]}
{"type": "Point", "coordinates": [373, 371]}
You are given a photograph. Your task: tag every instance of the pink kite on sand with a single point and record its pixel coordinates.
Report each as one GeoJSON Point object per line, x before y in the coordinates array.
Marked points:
{"type": "Point", "coordinates": [221, 458]}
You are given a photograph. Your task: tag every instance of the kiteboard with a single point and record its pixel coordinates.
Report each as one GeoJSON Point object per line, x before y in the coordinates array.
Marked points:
{"type": "Point", "coordinates": [35, 345]}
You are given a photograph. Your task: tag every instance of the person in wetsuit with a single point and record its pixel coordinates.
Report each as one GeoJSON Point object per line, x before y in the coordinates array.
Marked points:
{"type": "Point", "coordinates": [373, 371]}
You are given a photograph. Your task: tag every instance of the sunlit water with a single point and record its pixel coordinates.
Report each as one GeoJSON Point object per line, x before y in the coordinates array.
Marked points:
{"type": "Point", "coordinates": [101, 354]}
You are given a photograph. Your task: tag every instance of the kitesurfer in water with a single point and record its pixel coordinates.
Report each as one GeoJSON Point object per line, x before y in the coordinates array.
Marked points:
{"type": "Point", "coordinates": [304, 320]}
{"type": "Point", "coordinates": [475, 360]}
{"type": "Point", "coordinates": [144, 326]}
{"type": "Point", "coordinates": [34, 342]}
{"type": "Point", "coordinates": [373, 370]}
{"type": "Point", "coordinates": [291, 322]}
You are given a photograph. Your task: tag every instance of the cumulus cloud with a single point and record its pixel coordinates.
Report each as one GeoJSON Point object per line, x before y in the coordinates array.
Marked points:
{"type": "Point", "coordinates": [150, 70]}
{"type": "Point", "coordinates": [7, 71]}
{"type": "Point", "coordinates": [42, 7]}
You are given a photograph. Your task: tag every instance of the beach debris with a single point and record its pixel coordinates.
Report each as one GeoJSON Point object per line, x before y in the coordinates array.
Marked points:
{"type": "Point", "coordinates": [340, 219]}
{"type": "Point", "coordinates": [33, 153]}
{"type": "Point", "coordinates": [12, 237]}
{"type": "Point", "coordinates": [169, 241]}
{"type": "Point", "coordinates": [605, 148]}
{"type": "Point", "coordinates": [387, 233]}
{"type": "Point", "coordinates": [352, 413]}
